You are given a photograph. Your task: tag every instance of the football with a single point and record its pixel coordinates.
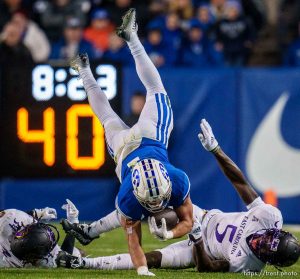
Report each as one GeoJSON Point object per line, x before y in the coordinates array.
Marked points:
{"type": "Point", "coordinates": [170, 216]}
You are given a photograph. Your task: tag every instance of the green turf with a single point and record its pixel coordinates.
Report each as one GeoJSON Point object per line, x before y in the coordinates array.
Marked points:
{"type": "Point", "coordinates": [113, 243]}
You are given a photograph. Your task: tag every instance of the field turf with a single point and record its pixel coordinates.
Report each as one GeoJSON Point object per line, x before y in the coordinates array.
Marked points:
{"type": "Point", "coordinates": [114, 242]}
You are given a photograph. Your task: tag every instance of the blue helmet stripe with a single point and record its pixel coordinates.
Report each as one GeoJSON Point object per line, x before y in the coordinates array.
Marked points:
{"type": "Point", "coordinates": [156, 186]}
{"type": "Point", "coordinates": [144, 166]}
{"type": "Point", "coordinates": [149, 187]}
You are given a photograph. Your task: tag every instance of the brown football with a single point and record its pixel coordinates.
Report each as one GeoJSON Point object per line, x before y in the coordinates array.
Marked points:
{"type": "Point", "coordinates": [170, 216]}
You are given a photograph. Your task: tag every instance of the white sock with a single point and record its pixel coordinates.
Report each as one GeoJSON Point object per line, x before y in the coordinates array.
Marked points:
{"type": "Point", "coordinates": [105, 224]}
{"type": "Point", "coordinates": [120, 261]}
{"type": "Point", "coordinates": [146, 70]}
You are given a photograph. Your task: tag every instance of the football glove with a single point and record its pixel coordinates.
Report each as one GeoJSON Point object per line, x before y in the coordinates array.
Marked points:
{"type": "Point", "coordinates": [207, 137]}
{"type": "Point", "coordinates": [71, 211]}
{"type": "Point", "coordinates": [46, 213]}
{"type": "Point", "coordinates": [161, 233]}
{"type": "Point", "coordinates": [144, 271]}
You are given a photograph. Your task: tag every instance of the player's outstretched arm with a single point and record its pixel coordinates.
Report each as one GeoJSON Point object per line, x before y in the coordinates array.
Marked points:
{"type": "Point", "coordinates": [204, 263]}
{"type": "Point", "coordinates": [229, 168]}
{"type": "Point", "coordinates": [133, 232]}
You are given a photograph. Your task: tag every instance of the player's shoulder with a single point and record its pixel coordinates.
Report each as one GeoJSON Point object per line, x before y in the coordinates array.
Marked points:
{"type": "Point", "coordinates": [262, 208]}
{"type": "Point", "coordinates": [180, 185]}
{"type": "Point", "coordinates": [179, 179]}
{"type": "Point", "coordinates": [267, 215]}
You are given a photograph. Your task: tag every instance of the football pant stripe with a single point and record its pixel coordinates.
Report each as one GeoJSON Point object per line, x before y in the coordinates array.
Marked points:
{"type": "Point", "coordinates": [164, 118]}
{"type": "Point", "coordinates": [168, 120]}
{"type": "Point", "coordinates": [158, 117]}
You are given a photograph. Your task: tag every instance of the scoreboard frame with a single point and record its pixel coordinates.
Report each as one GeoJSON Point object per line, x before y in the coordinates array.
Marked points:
{"type": "Point", "coordinates": [48, 128]}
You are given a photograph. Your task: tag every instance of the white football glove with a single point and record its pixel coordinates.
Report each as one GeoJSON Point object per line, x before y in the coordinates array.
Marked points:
{"type": "Point", "coordinates": [207, 137]}
{"type": "Point", "coordinates": [46, 213]}
{"type": "Point", "coordinates": [161, 233]}
{"type": "Point", "coordinates": [144, 271]}
{"type": "Point", "coordinates": [71, 211]}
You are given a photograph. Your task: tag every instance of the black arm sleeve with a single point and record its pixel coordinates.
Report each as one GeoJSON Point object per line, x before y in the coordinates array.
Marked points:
{"type": "Point", "coordinates": [68, 244]}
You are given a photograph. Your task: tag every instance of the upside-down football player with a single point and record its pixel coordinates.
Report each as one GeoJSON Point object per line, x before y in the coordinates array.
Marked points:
{"type": "Point", "coordinates": [25, 240]}
{"type": "Point", "coordinates": [234, 242]}
{"type": "Point", "coordinates": [149, 182]}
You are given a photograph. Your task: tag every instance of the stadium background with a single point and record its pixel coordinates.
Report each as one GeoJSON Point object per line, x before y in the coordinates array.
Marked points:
{"type": "Point", "coordinates": [238, 100]}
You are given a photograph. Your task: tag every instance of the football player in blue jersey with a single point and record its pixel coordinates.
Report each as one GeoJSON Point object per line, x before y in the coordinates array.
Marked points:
{"type": "Point", "coordinates": [149, 182]}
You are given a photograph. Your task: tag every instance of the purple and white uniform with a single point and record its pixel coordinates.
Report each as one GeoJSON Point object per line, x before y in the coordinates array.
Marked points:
{"type": "Point", "coordinates": [12, 220]}
{"type": "Point", "coordinates": [224, 234]}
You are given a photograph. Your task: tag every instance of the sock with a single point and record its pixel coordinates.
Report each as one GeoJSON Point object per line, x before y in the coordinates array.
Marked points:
{"type": "Point", "coordinates": [120, 261]}
{"type": "Point", "coordinates": [146, 70]}
{"type": "Point", "coordinates": [105, 224]}
{"type": "Point", "coordinates": [68, 244]}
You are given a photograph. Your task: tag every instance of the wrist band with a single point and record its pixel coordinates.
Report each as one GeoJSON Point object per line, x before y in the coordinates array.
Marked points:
{"type": "Point", "coordinates": [216, 149]}
{"type": "Point", "coordinates": [142, 269]}
{"type": "Point", "coordinates": [169, 235]}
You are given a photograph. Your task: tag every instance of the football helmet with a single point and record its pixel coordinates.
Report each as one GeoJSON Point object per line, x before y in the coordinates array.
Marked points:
{"type": "Point", "coordinates": [151, 184]}
{"type": "Point", "coordinates": [275, 247]}
{"type": "Point", "coordinates": [34, 241]}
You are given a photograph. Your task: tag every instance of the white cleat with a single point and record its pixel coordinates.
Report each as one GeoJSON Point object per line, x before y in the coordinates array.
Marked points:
{"type": "Point", "coordinates": [79, 62]}
{"type": "Point", "coordinates": [128, 26]}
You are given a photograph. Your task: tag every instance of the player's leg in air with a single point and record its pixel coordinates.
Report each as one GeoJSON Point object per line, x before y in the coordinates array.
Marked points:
{"type": "Point", "coordinates": [156, 119]}
{"type": "Point", "coordinates": [115, 128]}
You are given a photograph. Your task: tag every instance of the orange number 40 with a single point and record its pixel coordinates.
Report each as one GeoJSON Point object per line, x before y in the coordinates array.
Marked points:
{"type": "Point", "coordinates": [47, 137]}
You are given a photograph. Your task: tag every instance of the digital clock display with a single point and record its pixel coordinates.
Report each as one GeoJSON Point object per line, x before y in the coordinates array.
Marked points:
{"type": "Point", "coordinates": [49, 128]}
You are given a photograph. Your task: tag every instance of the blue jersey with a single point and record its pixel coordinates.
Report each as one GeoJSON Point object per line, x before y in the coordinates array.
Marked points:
{"type": "Point", "coordinates": [126, 201]}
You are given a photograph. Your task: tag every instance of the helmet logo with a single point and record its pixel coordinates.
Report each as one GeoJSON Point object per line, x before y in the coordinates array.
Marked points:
{"type": "Point", "coordinates": [274, 244]}
{"type": "Point", "coordinates": [164, 171]}
{"type": "Point", "coordinates": [22, 233]}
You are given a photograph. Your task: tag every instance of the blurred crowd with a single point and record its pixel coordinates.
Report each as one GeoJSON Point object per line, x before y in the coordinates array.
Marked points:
{"type": "Point", "coordinates": [195, 33]}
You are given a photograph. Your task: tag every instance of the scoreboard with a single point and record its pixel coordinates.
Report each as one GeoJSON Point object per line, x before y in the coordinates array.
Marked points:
{"type": "Point", "coordinates": [47, 126]}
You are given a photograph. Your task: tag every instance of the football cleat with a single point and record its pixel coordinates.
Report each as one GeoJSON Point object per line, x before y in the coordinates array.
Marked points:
{"type": "Point", "coordinates": [79, 231]}
{"type": "Point", "coordinates": [128, 26]}
{"type": "Point", "coordinates": [66, 260]}
{"type": "Point", "coordinates": [79, 62]}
